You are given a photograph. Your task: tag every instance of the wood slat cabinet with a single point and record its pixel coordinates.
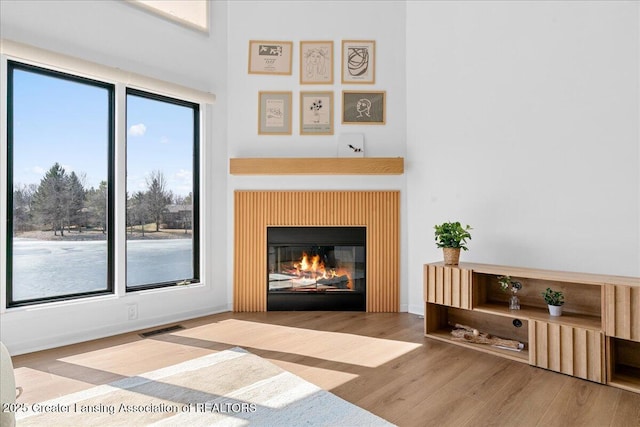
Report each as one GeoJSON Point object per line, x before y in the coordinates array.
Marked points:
{"type": "Point", "coordinates": [447, 285]}
{"type": "Point", "coordinates": [597, 338]}
{"type": "Point", "coordinates": [578, 352]}
{"type": "Point", "coordinates": [623, 312]}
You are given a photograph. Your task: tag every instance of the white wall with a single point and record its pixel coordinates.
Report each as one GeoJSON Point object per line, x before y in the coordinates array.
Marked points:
{"type": "Point", "coordinates": [523, 121]}
{"type": "Point", "coordinates": [382, 21]}
{"type": "Point", "coordinates": [120, 35]}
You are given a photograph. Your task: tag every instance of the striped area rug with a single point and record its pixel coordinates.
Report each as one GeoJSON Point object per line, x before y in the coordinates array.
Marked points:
{"type": "Point", "coordinates": [229, 388]}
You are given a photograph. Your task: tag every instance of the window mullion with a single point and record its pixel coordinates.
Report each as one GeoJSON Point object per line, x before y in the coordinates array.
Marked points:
{"type": "Point", "coordinates": [4, 166]}
{"type": "Point", "coordinates": [120, 178]}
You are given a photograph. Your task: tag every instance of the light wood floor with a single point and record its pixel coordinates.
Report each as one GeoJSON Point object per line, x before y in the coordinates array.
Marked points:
{"type": "Point", "coordinates": [380, 362]}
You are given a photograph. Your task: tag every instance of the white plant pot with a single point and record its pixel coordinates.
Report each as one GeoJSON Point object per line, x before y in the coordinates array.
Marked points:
{"type": "Point", "coordinates": [555, 310]}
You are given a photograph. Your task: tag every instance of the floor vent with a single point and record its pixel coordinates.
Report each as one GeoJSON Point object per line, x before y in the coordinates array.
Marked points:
{"type": "Point", "coordinates": [162, 331]}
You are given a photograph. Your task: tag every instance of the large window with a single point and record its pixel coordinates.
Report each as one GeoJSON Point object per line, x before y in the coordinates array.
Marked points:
{"type": "Point", "coordinates": [162, 196]}
{"type": "Point", "coordinates": [60, 140]}
{"type": "Point", "coordinates": [62, 172]}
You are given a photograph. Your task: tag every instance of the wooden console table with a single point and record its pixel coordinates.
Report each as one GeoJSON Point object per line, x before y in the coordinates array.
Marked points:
{"type": "Point", "coordinates": [597, 338]}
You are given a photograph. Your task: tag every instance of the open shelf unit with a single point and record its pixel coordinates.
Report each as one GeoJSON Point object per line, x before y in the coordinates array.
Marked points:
{"type": "Point", "coordinates": [624, 366]}
{"type": "Point", "coordinates": [597, 337]}
{"type": "Point", "coordinates": [441, 321]}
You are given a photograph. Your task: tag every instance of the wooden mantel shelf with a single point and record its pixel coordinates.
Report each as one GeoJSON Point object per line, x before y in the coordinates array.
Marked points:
{"type": "Point", "coordinates": [317, 166]}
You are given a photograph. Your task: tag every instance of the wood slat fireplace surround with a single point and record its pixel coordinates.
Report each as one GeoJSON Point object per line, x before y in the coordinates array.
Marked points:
{"type": "Point", "coordinates": [379, 211]}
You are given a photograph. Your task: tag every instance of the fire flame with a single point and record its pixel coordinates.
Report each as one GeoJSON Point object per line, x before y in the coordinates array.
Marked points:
{"type": "Point", "coordinates": [313, 267]}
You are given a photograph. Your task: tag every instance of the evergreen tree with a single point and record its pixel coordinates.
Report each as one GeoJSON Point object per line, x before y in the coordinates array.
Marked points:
{"type": "Point", "coordinates": [158, 197]}
{"type": "Point", "coordinates": [50, 199]}
{"type": "Point", "coordinates": [75, 200]}
{"type": "Point", "coordinates": [138, 209]}
{"type": "Point", "coordinates": [97, 206]}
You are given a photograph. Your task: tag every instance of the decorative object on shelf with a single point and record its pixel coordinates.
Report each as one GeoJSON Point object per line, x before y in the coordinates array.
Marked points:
{"type": "Point", "coordinates": [554, 300]}
{"type": "Point", "coordinates": [270, 57]}
{"type": "Point", "coordinates": [469, 334]}
{"type": "Point", "coordinates": [451, 237]}
{"type": "Point", "coordinates": [364, 108]}
{"type": "Point", "coordinates": [513, 286]}
{"type": "Point", "coordinates": [351, 145]}
{"type": "Point", "coordinates": [358, 61]}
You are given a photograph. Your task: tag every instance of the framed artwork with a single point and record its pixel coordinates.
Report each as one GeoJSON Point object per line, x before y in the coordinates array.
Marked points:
{"type": "Point", "coordinates": [358, 61]}
{"type": "Point", "coordinates": [270, 57]}
{"type": "Point", "coordinates": [274, 113]}
{"type": "Point", "coordinates": [316, 62]}
{"type": "Point", "coordinates": [316, 113]}
{"type": "Point", "coordinates": [363, 108]}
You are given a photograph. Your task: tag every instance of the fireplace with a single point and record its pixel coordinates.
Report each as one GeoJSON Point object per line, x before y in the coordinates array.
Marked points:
{"type": "Point", "coordinates": [257, 210]}
{"type": "Point", "coordinates": [316, 268]}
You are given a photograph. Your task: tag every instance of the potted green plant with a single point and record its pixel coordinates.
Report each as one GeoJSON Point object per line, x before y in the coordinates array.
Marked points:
{"type": "Point", "coordinates": [554, 300]}
{"type": "Point", "coordinates": [451, 237]}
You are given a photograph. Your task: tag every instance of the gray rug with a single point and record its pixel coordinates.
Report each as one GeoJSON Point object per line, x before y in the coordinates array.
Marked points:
{"type": "Point", "coordinates": [229, 388]}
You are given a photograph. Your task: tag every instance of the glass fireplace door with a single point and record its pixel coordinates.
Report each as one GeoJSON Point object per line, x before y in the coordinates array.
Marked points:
{"type": "Point", "coordinates": [316, 268]}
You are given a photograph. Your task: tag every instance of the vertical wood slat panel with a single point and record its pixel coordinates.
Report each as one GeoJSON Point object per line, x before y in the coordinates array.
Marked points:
{"type": "Point", "coordinates": [439, 285]}
{"type": "Point", "coordinates": [465, 292]}
{"type": "Point", "coordinates": [456, 283]}
{"type": "Point", "coordinates": [542, 344]}
{"type": "Point", "coordinates": [554, 342]}
{"type": "Point", "coordinates": [429, 279]}
{"type": "Point", "coordinates": [377, 210]}
{"type": "Point", "coordinates": [533, 343]}
{"type": "Point", "coordinates": [623, 311]}
{"type": "Point", "coordinates": [635, 314]}
{"type": "Point", "coordinates": [581, 353]}
{"type": "Point", "coordinates": [567, 356]}
{"type": "Point", "coordinates": [446, 287]}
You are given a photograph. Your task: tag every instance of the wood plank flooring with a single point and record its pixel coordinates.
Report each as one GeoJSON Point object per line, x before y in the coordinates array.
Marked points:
{"type": "Point", "coordinates": [379, 361]}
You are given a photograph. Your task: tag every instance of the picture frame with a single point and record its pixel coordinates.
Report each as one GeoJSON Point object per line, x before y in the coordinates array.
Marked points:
{"type": "Point", "coordinates": [364, 107]}
{"type": "Point", "coordinates": [270, 57]}
{"type": "Point", "coordinates": [316, 113]}
{"type": "Point", "coordinates": [316, 62]}
{"type": "Point", "coordinates": [358, 61]}
{"type": "Point", "coordinates": [274, 113]}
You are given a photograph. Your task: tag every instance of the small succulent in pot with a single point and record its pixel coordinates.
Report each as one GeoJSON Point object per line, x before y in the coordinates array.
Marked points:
{"type": "Point", "coordinates": [554, 300]}
{"type": "Point", "coordinates": [551, 297]}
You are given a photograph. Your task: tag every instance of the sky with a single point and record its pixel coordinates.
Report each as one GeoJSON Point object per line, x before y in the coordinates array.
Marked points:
{"type": "Point", "coordinates": [62, 121]}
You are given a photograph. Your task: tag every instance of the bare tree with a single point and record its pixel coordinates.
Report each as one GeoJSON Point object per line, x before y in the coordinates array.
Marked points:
{"type": "Point", "coordinates": [22, 206]}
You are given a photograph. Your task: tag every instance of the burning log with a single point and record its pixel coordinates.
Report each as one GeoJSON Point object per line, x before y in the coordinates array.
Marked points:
{"type": "Point", "coordinates": [337, 281]}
